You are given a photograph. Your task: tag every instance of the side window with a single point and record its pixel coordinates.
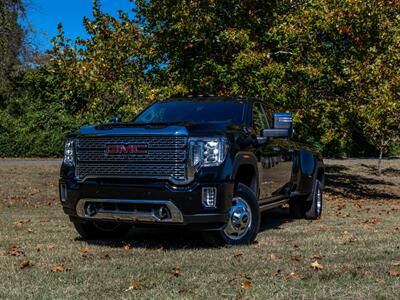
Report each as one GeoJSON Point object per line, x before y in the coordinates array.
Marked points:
{"type": "Point", "coordinates": [259, 120]}
{"type": "Point", "coordinates": [268, 115]}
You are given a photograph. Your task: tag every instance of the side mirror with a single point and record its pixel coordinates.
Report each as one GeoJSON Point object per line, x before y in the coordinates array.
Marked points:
{"type": "Point", "coordinates": [283, 126]}
{"type": "Point", "coordinates": [115, 120]}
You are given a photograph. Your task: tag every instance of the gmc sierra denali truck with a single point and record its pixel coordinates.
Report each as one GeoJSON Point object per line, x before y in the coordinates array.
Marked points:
{"type": "Point", "coordinates": [207, 163]}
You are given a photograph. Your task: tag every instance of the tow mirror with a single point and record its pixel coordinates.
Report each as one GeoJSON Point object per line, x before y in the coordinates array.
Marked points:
{"type": "Point", "coordinates": [115, 120]}
{"type": "Point", "coordinates": [283, 126]}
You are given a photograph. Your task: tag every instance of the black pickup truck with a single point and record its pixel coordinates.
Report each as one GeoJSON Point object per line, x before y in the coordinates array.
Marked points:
{"type": "Point", "coordinates": [207, 163]}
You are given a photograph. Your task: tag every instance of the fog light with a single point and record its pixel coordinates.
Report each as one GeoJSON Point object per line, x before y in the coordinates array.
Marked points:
{"type": "Point", "coordinates": [63, 192]}
{"type": "Point", "coordinates": [209, 197]}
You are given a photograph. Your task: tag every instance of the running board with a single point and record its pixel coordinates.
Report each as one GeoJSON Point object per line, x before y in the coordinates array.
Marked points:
{"type": "Point", "coordinates": [273, 204]}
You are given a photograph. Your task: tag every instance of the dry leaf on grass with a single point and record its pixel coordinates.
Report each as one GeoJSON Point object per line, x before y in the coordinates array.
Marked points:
{"type": "Point", "coordinates": [394, 263]}
{"type": "Point", "coordinates": [273, 256]}
{"type": "Point", "coordinates": [238, 254]}
{"type": "Point", "coordinates": [232, 281]}
{"type": "Point", "coordinates": [276, 273]}
{"type": "Point", "coordinates": [30, 230]}
{"type": "Point", "coordinates": [24, 264]}
{"type": "Point", "coordinates": [176, 271]}
{"type": "Point", "coordinates": [316, 266]}
{"type": "Point", "coordinates": [84, 250]}
{"type": "Point", "coordinates": [15, 251]}
{"type": "Point", "coordinates": [57, 268]}
{"type": "Point", "coordinates": [295, 257]}
{"type": "Point", "coordinates": [316, 256]}
{"type": "Point", "coordinates": [105, 256]}
{"type": "Point", "coordinates": [290, 276]}
{"type": "Point", "coordinates": [135, 285]}
{"type": "Point", "coordinates": [51, 247]}
{"type": "Point", "coordinates": [246, 284]}
{"type": "Point", "coordinates": [393, 272]}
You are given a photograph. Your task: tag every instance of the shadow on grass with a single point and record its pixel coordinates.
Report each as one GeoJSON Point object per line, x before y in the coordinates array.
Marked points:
{"type": "Point", "coordinates": [179, 238]}
{"type": "Point", "coordinates": [341, 183]}
{"type": "Point", "coordinates": [373, 170]}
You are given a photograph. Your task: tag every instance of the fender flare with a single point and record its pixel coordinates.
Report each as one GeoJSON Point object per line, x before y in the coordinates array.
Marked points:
{"type": "Point", "coordinates": [246, 158]}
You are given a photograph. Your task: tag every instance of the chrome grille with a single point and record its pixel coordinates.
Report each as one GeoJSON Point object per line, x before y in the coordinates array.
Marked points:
{"type": "Point", "coordinates": [165, 158]}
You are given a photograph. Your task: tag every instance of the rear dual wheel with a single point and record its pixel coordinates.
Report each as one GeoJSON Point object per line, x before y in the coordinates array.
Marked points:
{"type": "Point", "coordinates": [311, 207]}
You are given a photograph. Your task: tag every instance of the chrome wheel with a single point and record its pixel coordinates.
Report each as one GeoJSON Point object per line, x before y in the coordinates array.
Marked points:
{"type": "Point", "coordinates": [240, 219]}
{"type": "Point", "coordinates": [319, 201]}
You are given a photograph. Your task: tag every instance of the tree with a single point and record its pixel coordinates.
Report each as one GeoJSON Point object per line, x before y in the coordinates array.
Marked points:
{"type": "Point", "coordinates": [103, 74]}
{"type": "Point", "coordinates": [382, 123]}
{"type": "Point", "coordinates": [11, 45]}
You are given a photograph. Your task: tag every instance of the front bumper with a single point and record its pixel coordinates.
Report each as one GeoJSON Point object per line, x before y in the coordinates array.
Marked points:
{"type": "Point", "coordinates": [184, 202]}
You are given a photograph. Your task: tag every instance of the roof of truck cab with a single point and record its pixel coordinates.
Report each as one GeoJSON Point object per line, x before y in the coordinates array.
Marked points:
{"type": "Point", "coordinates": [211, 98]}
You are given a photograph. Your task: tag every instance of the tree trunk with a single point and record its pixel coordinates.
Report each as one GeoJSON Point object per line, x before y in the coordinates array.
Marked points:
{"type": "Point", "coordinates": [380, 162]}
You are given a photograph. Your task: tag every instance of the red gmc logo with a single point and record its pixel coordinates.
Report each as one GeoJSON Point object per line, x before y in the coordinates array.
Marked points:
{"type": "Point", "coordinates": [127, 149]}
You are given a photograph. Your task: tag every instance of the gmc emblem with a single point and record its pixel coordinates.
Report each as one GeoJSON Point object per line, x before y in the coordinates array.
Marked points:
{"type": "Point", "coordinates": [127, 149]}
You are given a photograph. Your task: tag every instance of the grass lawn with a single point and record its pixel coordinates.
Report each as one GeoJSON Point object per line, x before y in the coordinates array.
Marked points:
{"type": "Point", "coordinates": [356, 245]}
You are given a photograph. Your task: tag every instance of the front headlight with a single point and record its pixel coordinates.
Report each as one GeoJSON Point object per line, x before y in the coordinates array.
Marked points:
{"type": "Point", "coordinates": [207, 152]}
{"type": "Point", "coordinates": [69, 151]}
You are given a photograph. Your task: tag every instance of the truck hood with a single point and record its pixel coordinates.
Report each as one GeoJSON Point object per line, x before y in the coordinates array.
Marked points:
{"type": "Point", "coordinates": [187, 129]}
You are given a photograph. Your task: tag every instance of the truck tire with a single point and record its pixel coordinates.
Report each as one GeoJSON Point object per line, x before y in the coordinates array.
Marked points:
{"type": "Point", "coordinates": [309, 207]}
{"type": "Point", "coordinates": [243, 222]}
{"type": "Point", "coordinates": [102, 230]}
{"type": "Point", "coordinates": [313, 207]}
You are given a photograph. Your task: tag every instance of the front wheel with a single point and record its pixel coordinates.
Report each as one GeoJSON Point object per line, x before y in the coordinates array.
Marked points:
{"type": "Point", "coordinates": [243, 220]}
{"type": "Point", "coordinates": [102, 230]}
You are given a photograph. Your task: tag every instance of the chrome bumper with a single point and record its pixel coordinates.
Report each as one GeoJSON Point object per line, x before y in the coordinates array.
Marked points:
{"type": "Point", "coordinates": [134, 210]}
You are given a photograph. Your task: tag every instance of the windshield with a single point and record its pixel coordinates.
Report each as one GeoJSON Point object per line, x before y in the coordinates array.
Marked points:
{"type": "Point", "coordinates": [194, 112]}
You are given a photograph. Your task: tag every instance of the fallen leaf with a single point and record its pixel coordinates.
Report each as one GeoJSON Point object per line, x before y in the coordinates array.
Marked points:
{"type": "Point", "coordinates": [380, 280]}
{"type": "Point", "coordinates": [394, 263]}
{"type": "Point", "coordinates": [30, 230]}
{"type": "Point", "coordinates": [56, 268]}
{"type": "Point", "coordinates": [276, 273]}
{"type": "Point", "coordinates": [84, 250]}
{"type": "Point", "coordinates": [273, 256]}
{"type": "Point", "coordinates": [105, 256]}
{"type": "Point", "coordinates": [316, 256]}
{"type": "Point", "coordinates": [238, 254]}
{"type": "Point", "coordinates": [246, 284]}
{"type": "Point", "coordinates": [176, 271]}
{"type": "Point", "coordinates": [393, 272]}
{"type": "Point", "coordinates": [135, 285]}
{"type": "Point", "coordinates": [232, 282]}
{"type": "Point", "coordinates": [295, 257]}
{"type": "Point", "coordinates": [15, 251]}
{"type": "Point", "coordinates": [316, 266]}
{"type": "Point", "coordinates": [292, 275]}
{"type": "Point", "coordinates": [51, 247]}
{"type": "Point", "coordinates": [24, 264]}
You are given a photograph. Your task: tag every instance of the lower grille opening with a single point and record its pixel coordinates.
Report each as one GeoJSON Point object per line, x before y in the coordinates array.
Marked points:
{"type": "Point", "coordinates": [129, 210]}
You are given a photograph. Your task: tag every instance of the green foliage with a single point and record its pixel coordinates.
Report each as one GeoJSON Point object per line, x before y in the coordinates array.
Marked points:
{"type": "Point", "coordinates": [331, 63]}
{"type": "Point", "coordinates": [11, 45]}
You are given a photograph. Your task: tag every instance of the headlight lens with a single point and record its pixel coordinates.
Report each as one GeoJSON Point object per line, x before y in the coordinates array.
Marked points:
{"type": "Point", "coordinates": [207, 152]}
{"type": "Point", "coordinates": [69, 151]}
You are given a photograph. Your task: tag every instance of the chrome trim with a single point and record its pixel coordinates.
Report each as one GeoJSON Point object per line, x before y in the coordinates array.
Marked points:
{"type": "Point", "coordinates": [189, 179]}
{"type": "Point", "coordinates": [278, 203]}
{"type": "Point", "coordinates": [135, 216]}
